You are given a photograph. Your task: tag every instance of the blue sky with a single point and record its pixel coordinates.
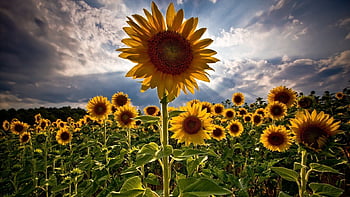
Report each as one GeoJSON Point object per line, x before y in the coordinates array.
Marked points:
{"type": "Point", "coordinates": [60, 53]}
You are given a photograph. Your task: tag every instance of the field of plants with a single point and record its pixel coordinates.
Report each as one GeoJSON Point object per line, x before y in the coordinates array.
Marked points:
{"type": "Point", "coordinates": [245, 149]}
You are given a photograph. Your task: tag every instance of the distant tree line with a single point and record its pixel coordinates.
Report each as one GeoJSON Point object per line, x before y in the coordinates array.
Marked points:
{"type": "Point", "coordinates": [52, 113]}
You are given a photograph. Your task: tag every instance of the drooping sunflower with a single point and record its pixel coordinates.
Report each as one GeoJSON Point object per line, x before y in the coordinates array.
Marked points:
{"type": "Point", "coordinates": [282, 94]}
{"type": "Point", "coordinates": [208, 106]}
{"type": "Point", "coordinates": [151, 110]}
{"type": "Point", "coordinates": [339, 95]}
{"type": "Point", "coordinates": [235, 128]}
{"type": "Point", "coordinates": [169, 53]}
{"type": "Point", "coordinates": [218, 133]}
{"type": "Point", "coordinates": [218, 109]}
{"type": "Point", "coordinates": [238, 98]}
{"type": "Point", "coordinates": [192, 126]}
{"type": "Point", "coordinates": [276, 138]}
{"type": "Point", "coordinates": [120, 99]}
{"type": "Point", "coordinates": [276, 110]}
{"type": "Point", "coordinates": [305, 102]}
{"type": "Point", "coordinates": [99, 108]}
{"type": "Point", "coordinates": [24, 137]}
{"type": "Point", "coordinates": [6, 125]}
{"type": "Point", "coordinates": [257, 119]}
{"type": "Point", "coordinates": [314, 129]}
{"type": "Point", "coordinates": [229, 113]}
{"type": "Point", "coordinates": [18, 127]}
{"type": "Point", "coordinates": [64, 136]}
{"type": "Point", "coordinates": [124, 116]}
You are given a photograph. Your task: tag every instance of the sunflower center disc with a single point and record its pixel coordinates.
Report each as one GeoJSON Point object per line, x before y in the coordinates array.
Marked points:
{"type": "Point", "coordinates": [18, 127]}
{"type": "Point", "coordinates": [276, 139]}
{"type": "Point", "coordinates": [217, 132]}
{"type": "Point", "coordinates": [65, 136]}
{"type": "Point", "coordinates": [276, 110]}
{"type": "Point", "coordinates": [170, 52]}
{"type": "Point", "coordinates": [234, 128]}
{"type": "Point", "coordinates": [192, 125]}
{"type": "Point", "coordinates": [100, 109]}
{"type": "Point", "coordinates": [121, 100]}
{"type": "Point", "coordinates": [125, 118]}
{"type": "Point", "coordinates": [312, 134]}
{"type": "Point", "coordinates": [282, 97]}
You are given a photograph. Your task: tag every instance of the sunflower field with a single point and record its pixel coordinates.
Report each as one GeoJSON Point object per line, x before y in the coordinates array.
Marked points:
{"type": "Point", "coordinates": [288, 145]}
{"type": "Point", "coordinates": [219, 149]}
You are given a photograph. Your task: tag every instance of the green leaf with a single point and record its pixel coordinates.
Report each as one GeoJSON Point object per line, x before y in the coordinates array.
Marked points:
{"type": "Point", "coordinates": [204, 187]}
{"type": "Point", "coordinates": [148, 119]}
{"type": "Point", "coordinates": [175, 113]}
{"type": "Point", "coordinates": [282, 194]}
{"type": "Point", "coordinates": [323, 168]}
{"type": "Point", "coordinates": [152, 179]}
{"type": "Point", "coordinates": [146, 154]}
{"type": "Point", "coordinates": [166, 152]}
{"type": "Point", "coordinates": [133, 183]}
{"type": "Point", "coordinates": [131, 193]}
{"type": "Point", "coordinates": [325, 189]}
{"type": "Point", "coordinates": [297, 166]}
{"type": "Point", "coordinates": [285, 173]}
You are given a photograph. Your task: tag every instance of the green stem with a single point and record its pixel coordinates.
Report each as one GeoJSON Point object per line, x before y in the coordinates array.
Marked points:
{"type": "Point", "coordinates": [165, 142]}
{"type": "Point", "coordinates": [303, 178]}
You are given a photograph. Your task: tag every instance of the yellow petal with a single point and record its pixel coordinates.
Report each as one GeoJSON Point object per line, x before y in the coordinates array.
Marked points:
{"type": "Point", "coordinates": [131, 42]}
{"type": "Point", "coordinates": [158, 17]}
{"type": "Point", "coordinates": [202, 43]}
{"type": "Point", "coordinates": [187, 27]}
{"type": "Point", "coordinates": [170, 15]}
{"type": "Point", "coordinates": [197, 34]}
{"type": "Point", "coordinates": [178, 20]}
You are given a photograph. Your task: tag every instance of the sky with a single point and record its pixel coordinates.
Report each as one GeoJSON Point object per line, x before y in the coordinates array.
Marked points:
{"type": "Point", "coordinates": [62, 53]}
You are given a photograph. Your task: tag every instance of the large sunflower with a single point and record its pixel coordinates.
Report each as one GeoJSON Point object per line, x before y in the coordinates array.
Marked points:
{"type": "Point", "coordinates": [276, 110]}
{"type": "Point", "coordinates": [64, 136]}
{"type": "Point", "coordinates": [282, 94]}
{"type": "Point", "coordinates": [235, 128]}
{"type": "Point", "coordinates": [18, 127]}
{"type": "Point", "coordinates": [192, 126]}
{"type": "Point", "coordinates": [125, 116]}
{"type": "Point", "coordinates": [238, 98]}
{"type": "Point", "coordinates": [276, 138]}
{"type": "Point", "coordinates": [169, 53]}
{"type": "Point", "coordinates": [120, 99]}
{"type": "Point", "coordinates": [99, 108]}
{"type": "Point", "coordinates": [314, 129]}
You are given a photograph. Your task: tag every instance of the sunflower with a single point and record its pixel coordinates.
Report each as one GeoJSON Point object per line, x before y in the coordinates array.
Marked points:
{"type": "Point", "coordinates": [17, 127]}
{"type": "Point", "coordinates": [125, 116]}
{"type": "Point", "coordinates": [218, 133]}
{"type": "Point", "coordinates": [192, 102]}
{"type": "Point", "coordinates": [192, 126]}
{"type": "Point", "coordinates": [42, 124]}
{"type": "Point", "coordinates": [282, 94]}
{"type": "Point", "coordinates": [247, 118]}
{"type": "Point", "coordinates": [24, 137]}
{"type": "Point", "coordinates": [276, 110]}
{"type": "Point", "coordinates": [314, 129]}
{"type": "Point", "coordinates": [276, 138]}
{"type": "Point", "coordinates": [6, 125]}
{"type": "Point", "coordinates": [235, 128]}
{"type": "Point", "coordinates": [257, 119]}
{"type": "Point", "coordinates": [261, 111]}
{"type": "Point", "coordinates": [169, 53]}
{"type": "Point", "coordinates": [339, 95]}
{"type": "Point", "coordinates": [305, 102]}
{"type": "Point", "coordinates": [242, 111]}
{"type": "Point", "coordinates": [120, 99]}
{"type": "Point", "coordinates": [218, 109]}
{"type": "Point", "coordinates": [37, 118]}
{"type": "Point", "coordinates": [206, 105]}
{"type": "Point", "coordinates": [99, 108]}
{"type": "Point", "coordinates": [151, 110]}
{"type": "Point", "coordinates": [64, 136]}
{"type": "Point", "coordinates": [238, 98]}
{"type": "Point", "coordinates": [229, 113]}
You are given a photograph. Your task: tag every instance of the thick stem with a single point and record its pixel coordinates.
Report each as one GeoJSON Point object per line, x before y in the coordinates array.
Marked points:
{"type": "Point", "coordinates": [303, 179]}
{"type": "Point", "coordinates": [165, 141]}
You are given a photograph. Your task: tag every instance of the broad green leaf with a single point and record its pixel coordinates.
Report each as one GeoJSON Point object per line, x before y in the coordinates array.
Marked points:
{"type": "Point", "coordinates": [205, 187]}
{"type": "Point", "coordinates": [146, 154]}
{"type": "Point", "coordinates": [323, 168]}
{"type": "Point", "coordinates": [175, 113]}
{"type": "Point", "coordinates": [166, 152]}
{"type": "Point", "coordinates": [133, 183]}
{"type": "Point", "coordinates": [285, 173]}
{"type": "Point", "coordinates": [297, 166]}
{"type": "Point", "coordinates": [192, 164]}
{"type": "Point", "coordinates": [152, 179]}
{"type": "Point", "coordinates": [282, 194]}
{"type": "Point", "coordinates": [325, 189]}
{"type": "Point", "coordinates": [147, 119]}
{"type": "Point", "coordinates": [130, 193]}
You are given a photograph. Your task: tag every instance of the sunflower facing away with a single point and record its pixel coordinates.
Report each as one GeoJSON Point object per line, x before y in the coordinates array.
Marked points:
{"type": "Point", "coordinates": [218, 133]}
{"type": "Point", "coordinates": [192, 126]}
{"type": "Point", "coordinates": [276, 110]}
{"type": "Point", "coordinates": [257, 119]}
{"type": "Point", "coordinates": [124, 116]}
{"type": "Point", "coordinates": [168, 52]}
{"type": "Point", "coordinates": [151, 110]}
{"type": "Point", "coordinates": [282, 94]}
{"type": "Point", "coordinates": [238, 98]}
{"type": "Point", "coordinates": [64, 136]}
{"type": "Point", "coordinates": [120, 99]}
{"type": "Point", "coordinates": [276, 138]}
{"type": "Point", "coordinates": [99, 108]}
{"type": "Point", "coordinates": [313, 129]}
{"type": "Point", "coordinates": [235, 128]}
{"type": "Point", "coordinates": [305, 102]}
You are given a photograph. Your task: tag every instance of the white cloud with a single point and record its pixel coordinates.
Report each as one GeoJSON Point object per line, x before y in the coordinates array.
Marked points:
{"type": "Point", "coordinates": [213, 1]}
